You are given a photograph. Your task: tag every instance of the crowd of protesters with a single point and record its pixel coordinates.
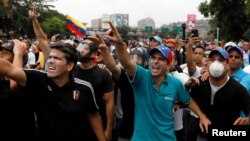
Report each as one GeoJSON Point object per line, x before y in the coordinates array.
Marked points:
{"type": "Point", "coordinates": [113, 89]}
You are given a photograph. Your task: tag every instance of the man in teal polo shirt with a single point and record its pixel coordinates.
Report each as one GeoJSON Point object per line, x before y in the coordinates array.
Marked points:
{"type": "Point", "coordinates": [155, 93]}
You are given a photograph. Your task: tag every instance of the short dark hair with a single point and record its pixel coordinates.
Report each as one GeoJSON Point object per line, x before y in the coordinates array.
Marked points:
{"type": "Point", "coordinates": [200, 46]}
{"type": "Point", "coordinates": [71, 54]}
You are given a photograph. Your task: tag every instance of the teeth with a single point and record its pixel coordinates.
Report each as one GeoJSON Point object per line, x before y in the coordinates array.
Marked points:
{"type": "Point", "coordinates": [51, 68]}
{"type": "Point", "coordinates": [155, 67]}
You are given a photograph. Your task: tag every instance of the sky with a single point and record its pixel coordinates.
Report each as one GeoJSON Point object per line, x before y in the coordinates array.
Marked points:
{"type": "Point", "coordinates": [161, 11]}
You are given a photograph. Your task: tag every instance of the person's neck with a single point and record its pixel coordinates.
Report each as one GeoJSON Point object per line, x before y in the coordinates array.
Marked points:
{"type": "Point", "coordinates": [218, 82]}
{"type": "Point", "coordinates": [232, 71]}
{"type": "Point", "coordinates": [87, 65]}
{"type": "Point", "coordinates": [199, 64]}
{"type": "Point", "coordinates": [61, 81]}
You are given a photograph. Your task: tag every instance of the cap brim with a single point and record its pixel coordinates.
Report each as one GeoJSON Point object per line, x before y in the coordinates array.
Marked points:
{"type": "Point", "coordinates": [1, 48]}
{"type": "Point", "coordinates": [218, 52]}
{"type": "Point", "coordinates": [236, 49]}
{"type": "Point", "coordinates": [152, 51]}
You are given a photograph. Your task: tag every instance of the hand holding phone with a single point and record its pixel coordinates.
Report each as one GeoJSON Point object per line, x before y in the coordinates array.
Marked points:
{"type": "Point", "coordinates": [195, 32]}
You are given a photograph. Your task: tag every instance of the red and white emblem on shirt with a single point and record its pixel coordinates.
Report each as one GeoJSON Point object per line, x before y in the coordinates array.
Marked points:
{"type": "Point", "coordinates": [76, 94]}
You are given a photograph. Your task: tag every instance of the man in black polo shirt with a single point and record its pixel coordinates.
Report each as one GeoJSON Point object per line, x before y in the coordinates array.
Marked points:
{"type": "Point", "coordinates": [61, 101]}
{"type": "Point", "coordinates": [220, 97]}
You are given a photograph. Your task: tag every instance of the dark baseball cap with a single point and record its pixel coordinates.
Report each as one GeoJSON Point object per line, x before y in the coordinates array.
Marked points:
{"type": "Point", "coordinates": [8, 46]}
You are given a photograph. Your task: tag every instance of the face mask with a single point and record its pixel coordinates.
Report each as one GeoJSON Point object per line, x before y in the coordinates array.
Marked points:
{"type": "Point", "coordinates": [216, 69]}
{"type": "Point", "coordinates": [87, 57]}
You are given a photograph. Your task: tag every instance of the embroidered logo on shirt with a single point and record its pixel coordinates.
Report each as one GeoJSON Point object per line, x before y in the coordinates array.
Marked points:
{"type": "Point", "coordinates": [76, 95]}
{"type": "Point", "coordinates": [169, 97]}
{"type": "Point", "coordinates": [49, 88]}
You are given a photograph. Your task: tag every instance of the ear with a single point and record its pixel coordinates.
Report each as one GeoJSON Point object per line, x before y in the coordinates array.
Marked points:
{"type": "Point", "coordinates": [169, 65]}
{"type": "Point", "coordinates": [70, 66]}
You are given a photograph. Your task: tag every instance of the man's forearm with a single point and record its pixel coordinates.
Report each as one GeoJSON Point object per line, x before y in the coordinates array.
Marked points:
{"type": "Point", "coordinates": [195, 108]}
{"type": "Point", "coordinates": [38, 30]}
{"type": "Point", "coordinates": [110, 63]}
{"type": "Point", "coordinates": [97, 126]}
{"type": "Point", "coordinates": [124, 58]}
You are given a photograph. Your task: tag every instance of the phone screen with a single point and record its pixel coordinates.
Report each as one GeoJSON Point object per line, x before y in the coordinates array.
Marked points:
{"type": "Point", "coordinates": [195, 32]}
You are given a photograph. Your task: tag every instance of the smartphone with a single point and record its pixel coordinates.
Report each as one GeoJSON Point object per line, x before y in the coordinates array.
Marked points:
{"type": "Point", "coordinates": [195, 32]}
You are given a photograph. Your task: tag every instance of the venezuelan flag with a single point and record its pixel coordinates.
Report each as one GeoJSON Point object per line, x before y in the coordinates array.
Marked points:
{"type": "Point", "coordinates": [76, 27]}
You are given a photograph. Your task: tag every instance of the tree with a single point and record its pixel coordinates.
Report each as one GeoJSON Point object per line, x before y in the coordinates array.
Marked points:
{"type": "Point", "coordinates": [54, 23]}
{"type": "Point", "coordinates": [229, 15]}
{"type": "Point", "coordinates": [54, 26]}
{"type": "Point", "coordinates": [14, 17]}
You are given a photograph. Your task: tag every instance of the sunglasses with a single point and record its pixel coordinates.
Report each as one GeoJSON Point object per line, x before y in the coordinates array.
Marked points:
{"type": "Point", "coordinates": [235, 56]}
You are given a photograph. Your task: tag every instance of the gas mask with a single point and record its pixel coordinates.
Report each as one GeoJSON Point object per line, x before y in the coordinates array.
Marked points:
{"type": "Point", "coordinates": [86, 57]}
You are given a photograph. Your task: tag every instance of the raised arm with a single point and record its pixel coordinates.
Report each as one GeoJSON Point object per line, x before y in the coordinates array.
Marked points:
{"type": "Point", "coordinates": [42, 38]}
{"type": "Point", "coordinates": [12, 72]}
{"type": "Point", "coordinates": [189, 56]}
{"type": "Point", "coordinates": [107, 58]}
{"type": "Point", "coordinates": [113, 35]}
{"type": "Point", "coordinates": [19, 51]}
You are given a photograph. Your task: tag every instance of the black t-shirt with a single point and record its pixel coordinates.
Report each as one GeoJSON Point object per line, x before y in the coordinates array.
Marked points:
{"type": "Point", "coordinates": [101, 81]}
{"type": "Point", "coordinates": [61, 111]}
{"type": "Point", "coordinates": [17, 120]}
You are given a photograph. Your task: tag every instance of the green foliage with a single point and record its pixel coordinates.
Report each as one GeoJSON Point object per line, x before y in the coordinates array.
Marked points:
{"type": "Point", "coordinates": [54, 23]}
{"type": "Point", "coordinates": [246, 35]}
{"type": "Point", "coordinates": [248, 10]}
{"type": "Point", "coordinates": [14, 16]}
{"type": "Point", "coordinates": [229, 15]}
{"type": "Point", "coordinates": [54, 26]}
{"type": "Point", "coordinates": [204, 8]}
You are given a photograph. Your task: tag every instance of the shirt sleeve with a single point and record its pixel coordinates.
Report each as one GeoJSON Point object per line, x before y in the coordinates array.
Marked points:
{"type": "Point", "coordinates": [33, 79]}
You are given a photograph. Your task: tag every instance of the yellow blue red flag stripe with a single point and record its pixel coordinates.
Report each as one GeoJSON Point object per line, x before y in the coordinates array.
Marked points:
{"type": "Point", "coordinates": [76, 27]}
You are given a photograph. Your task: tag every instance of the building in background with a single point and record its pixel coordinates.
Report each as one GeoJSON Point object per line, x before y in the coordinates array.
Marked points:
{"type": "Point", "coordinates": [191, 22]}
{"type": "Point", "coordinates": [96, 24]}
{"type": "Point", "coordinates": [120, 20]}
{"type": "Point", "coordinates": [146, 22]}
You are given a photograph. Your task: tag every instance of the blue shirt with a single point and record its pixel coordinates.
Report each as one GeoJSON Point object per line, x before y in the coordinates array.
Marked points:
{"type": "Point", "coordinates": [243, 78]}
{"type": "Point", "coordinates": [154, 120]}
